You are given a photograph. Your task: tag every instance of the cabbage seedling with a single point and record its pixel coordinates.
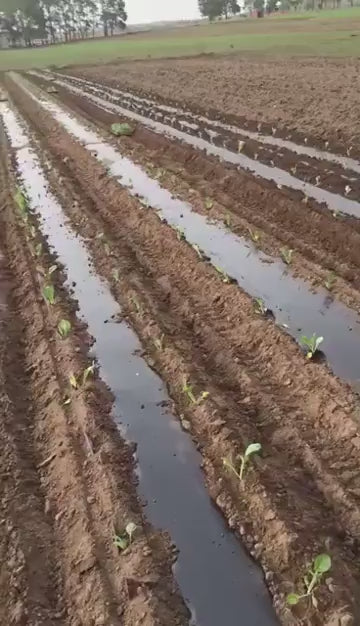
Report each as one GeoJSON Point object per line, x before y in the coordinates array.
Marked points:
{"type": "Point", "coordinates": [227, 220]}
{"type": "Point", "coordinates": [259, 306]}
{"type": "Point", "coordinates": [244, 459]}
{"type": "Point", "coordinates": [73, 381]}
{"type": "Point", "coordinates": [330, 281]}
{"type": "Point", "coordinates": [208, 204]}
{"type": "Point", "coordinates": [198, 251]}
{"type": "Point", "coordinates": [89, 371]}
{"type": "Point", "coordinates": [115, 275]}
{"type": "Point", "coordinates": [311, 344]}
{"type": "Point", "coordinates": [312, 579]}
{"type": "Point", "coordinates": [49, 294]}
{"type": "Point", "coordinates": [187, 388]}
{"type": "Point", "coordinates": [159, 343]}
{"type": "Point", "coordinates": [122, 129]}
{"type": "Point", "coordinates": [137, 305]}
{"type": "Point", "coordinates": [180, 234]}
{"type": "Point", "coordinates": [38, 249]}
{"type": "Point", "coordinates": [64, 328]}
{"type": "Point", "coordinates": [123, 540]}
{"type": "Point", "coordinates": [286, 254]}
{"type": "Point", "coordinates": [255, 236]}
{"type": "Point", "coordinates": [224, 276]}
{"type": "Point", "coordinates": [21, 202]}
{"type": "Point", "coordinates": [33, 232]}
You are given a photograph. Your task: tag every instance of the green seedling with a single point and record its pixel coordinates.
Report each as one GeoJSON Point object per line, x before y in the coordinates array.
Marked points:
{"type": "Point", "coordinates": [64, 328]}
{"type": "Point", "coordinates": [66, 401]}
{"type": "Point", "coordinates": [208, 204]}
{"type": "Point", "coordinates": [38, 249]}
{"type": "Point", "coordinates": [224, 276]}
{"type": "Point", "coordinates": [198, 251]}
{"type": "Point", "coordinates": [330, 281]}
{"type": "Point", "coordinates": [122, 129]}
{"type": "Point", "coordinates": [180, 234]}
{"type": "Point", "coordinates": [188, 389]}
{"type": "Point", "coordinates": [137, 305]}
{"type": "Point", "coordinates": [73, 381]}
{"type": "Point", "coordinates": [21, 202]}
{"type": "Point", "coordinates": [124, 540]}
{"type": "Point", "coordinates": [242, 460]}
{"type": "Point", "coordinates": [107, 248]}
{"type": "Point", "coordinates": [286, 255]}
{"type": "Point", "coordinates": [49, 294]}
{"type": "Point", "coordinates": [259, 306]}
{"type": "Point", "coordinates": [46, 273]}
{"type": "Point", "coordinates": [115, 275]}
{"type": "Point", "coordinates": [159, 343]}
{"type": "Point", "coordinates": [89, 371]}
{"type": "Point", "coordinates": [255, 236]}
{"type": "Point", "coordinates": [227, 220]}
{"type": "Point", "coordinates": [312, 579]}
{"type": "Point", "coordinates": [311, 344]}
{"type": "Point", "coordinates": [32, 232]}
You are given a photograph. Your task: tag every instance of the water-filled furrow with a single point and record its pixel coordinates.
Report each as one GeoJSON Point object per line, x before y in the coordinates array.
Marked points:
{"type": "Point", "coordinates": [217, 578]}
{"type": "Point", "coordinates": [205, 142]}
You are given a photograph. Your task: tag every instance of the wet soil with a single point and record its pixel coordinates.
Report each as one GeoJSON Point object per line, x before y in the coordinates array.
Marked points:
{"type": "Point", "coordinates": [301, 496]}
{"type": "Point", "coordinates": [327, 243]}
{"type": "Point", "coordinates": [305, 98]}
{"type": "Point", "coordinates": [67, 480]}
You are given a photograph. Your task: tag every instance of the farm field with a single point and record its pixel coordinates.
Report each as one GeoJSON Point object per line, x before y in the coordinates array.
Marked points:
{"type": "Point", "coordinates": [180, 255]}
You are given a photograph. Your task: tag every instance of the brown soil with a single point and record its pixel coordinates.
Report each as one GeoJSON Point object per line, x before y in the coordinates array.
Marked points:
{"type": "Point", "coordinates": [313, 98]}
{"type": "Point", "coordinates": [324, 243]}
{"type": "Point", "coordinates": [67, 481]}
{"type": "Point", "coordinates": [303, 495]}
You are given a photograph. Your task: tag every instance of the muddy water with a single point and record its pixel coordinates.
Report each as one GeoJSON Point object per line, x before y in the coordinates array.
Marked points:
{"type": "Point", "coordinates": [218, 580]}
{"type": "Point", "coordinates": [281, 177]}
{"type": "Point", "coordinates": [300, 310]}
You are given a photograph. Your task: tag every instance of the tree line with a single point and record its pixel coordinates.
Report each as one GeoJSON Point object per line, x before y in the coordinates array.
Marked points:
{"type": "Point", "coordinates": [26, 22]}
{"type": "Point", "coordinates": [218, 8]}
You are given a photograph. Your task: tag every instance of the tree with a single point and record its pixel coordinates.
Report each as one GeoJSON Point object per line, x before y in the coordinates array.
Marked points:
{"type": "Point", "coordinates": [211, 8]}
{"type": "Point", "coordinates": [113, 15]}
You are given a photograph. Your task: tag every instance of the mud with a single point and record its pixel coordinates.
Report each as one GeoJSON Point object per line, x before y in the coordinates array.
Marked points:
{"type": "Point", "coordinates": [327, 243]}
{"type": "Point", "coordinates": [301, 496]}
{"type": "Point", "coordinates": [306, 99]}
{"type": "Point", "coordinates": [68, 481]}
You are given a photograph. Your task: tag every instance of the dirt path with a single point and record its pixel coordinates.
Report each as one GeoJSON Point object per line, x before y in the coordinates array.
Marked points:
{"type": "Point", "coordinates": [302, 497]}
{"type": "Point", "coordinates": [67, 477]}
{"type": "Point", "coordinates": [305, 98]}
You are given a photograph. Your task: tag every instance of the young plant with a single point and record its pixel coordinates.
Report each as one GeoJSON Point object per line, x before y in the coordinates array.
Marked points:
{"type": "Point", "coordinates": [227, 220]}
{"type": "Point", "coordinates": [159, 343]}
{"type": "Point", "coordinates": [208, 204]}
{"type": "Point", "coordinates": [224, 276]}
{"type": "Point", "coordinates": [38, 249]}
{"type": "Point", "coordinates": [49, 294]}
{"type": "Point", "coordinates": [242, 460]}
{"type": "Point", "coordinates": [259, 306]}
{"type": "Point", "coordinates": [255, 236]}
{"type": "Point", "coordinates": [107, 248]}
{"type": "Point", "coordinates": [312, 579]}
{"type": "Point", "coordinates": [198, 251]}
{"type": "Point", "coordinates": [115, 275]}
{"type": "Point", "coordinates": [89, 371]}
{"type": "Point", "coordinates": [330, 281]}
{"type": "Point", "coordinates": [64, 328]}
{"type": "Point", "coordinates": [311, 344]}
{"type": "Point", "coordinates": [73, 381]}
{"type": "Point", "coordinates": [47, 273]}
{"type": "Point", "coordinates": [123, 540]}
{"type": "Point", "coordinates": [180, 234]}
{"type": "Point", "coordinates": [21, 202]}
{"type": "Point", "coordinates": [187, 388]}
{"type": "Point", "coordinates": [32, 232]}
{"type": "Point", "coordinates": [137, 305]}
{"type": "Point", "coordinates": [286, 255]}
{"type": "Point", "coordinates": [122, 129]}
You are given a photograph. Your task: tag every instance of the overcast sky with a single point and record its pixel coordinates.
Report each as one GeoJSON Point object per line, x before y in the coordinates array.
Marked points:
{"type": "Point", "coordinates": [155, 10]}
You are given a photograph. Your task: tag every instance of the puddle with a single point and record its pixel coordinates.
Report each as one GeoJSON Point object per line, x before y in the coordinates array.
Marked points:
{"type": "Point", "coordinates": [200, 141]}
{"type": "Point", "coordinates": [300, 310]}
{"type": "Point", "coordinates": [217, 578]}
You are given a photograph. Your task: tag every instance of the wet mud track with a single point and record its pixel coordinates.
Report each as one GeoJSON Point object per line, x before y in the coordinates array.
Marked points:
{"type": "Point", "coordinates": [301, 496]}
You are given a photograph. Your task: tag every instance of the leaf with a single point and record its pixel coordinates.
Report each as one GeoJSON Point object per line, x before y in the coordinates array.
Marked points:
{"type": "Point", "coordinates": [64, 328]}
{"type": "Point", "coordinates": [52, 269]}
{"type": "Point", "coordinates": [38, 249]}
{"type": "Point", "coordinates": [322, 563]}
{"type": "Point", "coordinates": [67, 401]}
{"type": "Point", "coordinates": [208, 204]}
{"type": "Point", "coordinates": [292, 599]}
{"type": "Point", "coordinates": [121, 542]}
{"type": "Point", "coordinates": [252, 449]}
{"type": "Point", "coordinates": [130, 529]}
{"type": "Point", "coordinates": [115, 275]}
{"type": "Point", "coordinates": [73, 382]}
{"type": "Point", "coordinates": [314, 602]}
{"type": "Point", "coordinates": [89, 370]}
{"type": "Point", "coordinates": [49, 293]}
{"type": "Point", "coordinates": [318, 341]}
{"type": "Point", "coordinates": [21, 201]}
{"type": "Point", "coordinates": [122, 129]}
